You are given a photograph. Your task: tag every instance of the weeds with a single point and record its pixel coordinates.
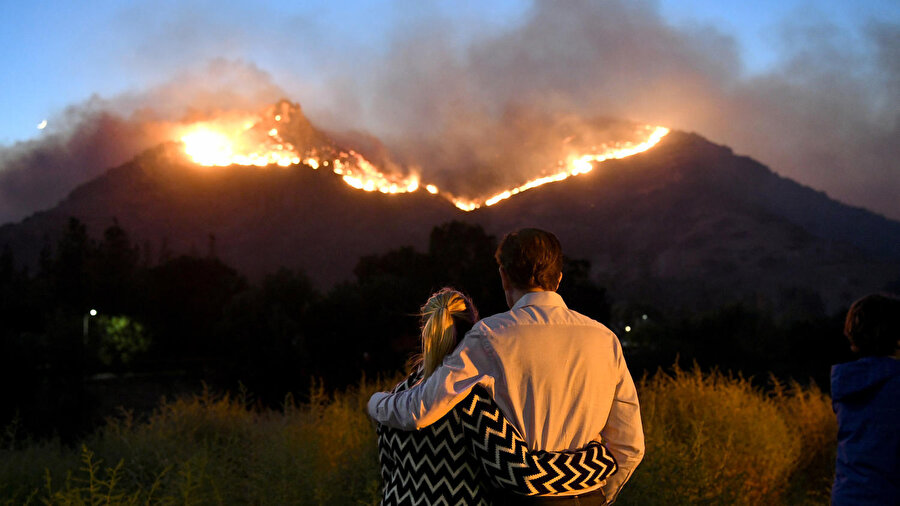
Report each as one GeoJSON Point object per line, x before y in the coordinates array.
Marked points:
{"type": "Point", "coordinates": [715, 439]}
{"type": "Point", "coordinates": [711, 439]}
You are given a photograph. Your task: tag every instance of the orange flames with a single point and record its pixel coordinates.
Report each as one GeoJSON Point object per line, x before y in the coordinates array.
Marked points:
{"type": "Point", "coordinates": [246, 141]}
{"type": "Point", "coordinates": [232, 141]}
{"type": "Point", "coordinates": [574, 166]}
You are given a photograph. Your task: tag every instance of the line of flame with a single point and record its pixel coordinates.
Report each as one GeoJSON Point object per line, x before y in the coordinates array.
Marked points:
{"type": "Point", "coordinates": [208, 147]}
{"type": "Point", "coordinates": [372, 179]}
{"type": "Point", "coordinates": [575, 166]}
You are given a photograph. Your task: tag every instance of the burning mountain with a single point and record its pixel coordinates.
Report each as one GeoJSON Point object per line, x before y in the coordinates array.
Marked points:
{"type": "Point", "coordinates": [666, 218]}
{"type": "Point", "coordinates": [282, 136]}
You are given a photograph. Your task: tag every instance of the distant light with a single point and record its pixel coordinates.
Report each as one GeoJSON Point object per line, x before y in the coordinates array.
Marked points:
{"type": "Point", "coordinates": [93, 312]}
{"type": "Point", "coordinates": [627, 328]}
{"type": "Point", "coordinates": [42, 125]}
{"type": "Point", "coordinates": [643, 317]}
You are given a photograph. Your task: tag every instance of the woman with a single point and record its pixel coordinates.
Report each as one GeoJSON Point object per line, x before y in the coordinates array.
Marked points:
{"type": "Point", "coordinates": [473, 455]}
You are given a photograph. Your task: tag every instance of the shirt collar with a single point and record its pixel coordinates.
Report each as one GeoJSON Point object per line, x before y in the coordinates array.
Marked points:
{"type": "Point", "coordinates": [539, 299]}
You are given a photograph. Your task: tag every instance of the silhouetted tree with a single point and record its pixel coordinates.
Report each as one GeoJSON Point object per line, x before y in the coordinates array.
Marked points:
{"type": "Point", "coordinates": [68, 270]}
{"type": "Point", "coordinates": [462, 256]}
{"type": "Point", "coordinates": [265, 335]}
{"type": "Point", "coordinates": [113, 272]}
{"type": "Point", "coordinates": [369, 325]}
{"type": "Point", "coordinates": [6, 266]}
{"type": "Point", "coordinates": [187, 296]}
{"type": "Point", "coordinates": [581, 293]}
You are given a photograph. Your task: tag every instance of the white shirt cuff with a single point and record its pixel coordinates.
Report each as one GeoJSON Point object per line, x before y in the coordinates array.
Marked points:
{"type": "Point", "coordinates": [372, 406]}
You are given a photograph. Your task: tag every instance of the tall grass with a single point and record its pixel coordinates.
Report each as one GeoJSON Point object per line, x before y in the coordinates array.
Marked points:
{"type": "Point", "coordinates": [810, 418]}
{"type": "Point", "coordinates": [209, 449]}
{"type": "Point", "coordinates": [711, 439]}
{"type": "Point", "coordinates": [715, 439]}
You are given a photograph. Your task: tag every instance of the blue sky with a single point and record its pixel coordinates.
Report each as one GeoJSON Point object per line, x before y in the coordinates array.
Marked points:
{"type": "Point", "coordinates": [811, 89]}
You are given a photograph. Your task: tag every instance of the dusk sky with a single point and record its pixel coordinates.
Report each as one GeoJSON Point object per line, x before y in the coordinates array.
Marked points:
{"type": "Point", "coordinates": [811, 89]}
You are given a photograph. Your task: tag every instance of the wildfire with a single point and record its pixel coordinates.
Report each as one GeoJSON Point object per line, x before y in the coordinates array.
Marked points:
{"type": "Point", "coordinates": [573, 167]}
{"type": "Point", "coordinates": [221, 143]}
{"type": "Point", "coordinates": [207, 147]}
{"type": "Point", "coordinates": [252, 141]}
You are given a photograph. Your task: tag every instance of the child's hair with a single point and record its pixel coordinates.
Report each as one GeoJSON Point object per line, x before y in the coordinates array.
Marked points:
{"type": "Point", "coordinates": [873, 325]}
{"type": "Point", "coordinates": [446, 317]}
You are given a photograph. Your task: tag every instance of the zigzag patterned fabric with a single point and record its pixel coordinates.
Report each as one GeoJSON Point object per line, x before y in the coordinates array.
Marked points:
{"type": "Point", "coordinates": [460, 459]}
{"type": "Point", "coordinates": [511, 466]}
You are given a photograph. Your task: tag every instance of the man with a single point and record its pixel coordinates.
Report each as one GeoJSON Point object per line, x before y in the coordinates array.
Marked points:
{"type": "Point", "coordinates": [558, 376]}
{"type": "Point", "coordinates": [864, 396]}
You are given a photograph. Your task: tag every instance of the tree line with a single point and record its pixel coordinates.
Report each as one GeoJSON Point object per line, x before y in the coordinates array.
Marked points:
{"type": "Point", "coordinates": [198, 318]}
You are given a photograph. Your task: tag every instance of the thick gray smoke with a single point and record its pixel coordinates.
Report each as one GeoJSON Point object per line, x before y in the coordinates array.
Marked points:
{"type": "Point", "coordinates": [474, 104]}
{"type": "Point", "coordinates": [827, 115]}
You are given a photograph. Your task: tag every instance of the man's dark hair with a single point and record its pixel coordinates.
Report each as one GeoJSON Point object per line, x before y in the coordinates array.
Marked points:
{"type": "Point", "coordinates": [532, 258]}
{"type": "Point", "coordinates": [873, 325]}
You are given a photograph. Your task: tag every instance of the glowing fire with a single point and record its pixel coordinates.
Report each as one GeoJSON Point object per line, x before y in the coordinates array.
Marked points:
{"type": "Point", "coordinates": [362, 175]}
{"type": "Point", "coordinates": [246, 141]}
{"type": "Point", "coordinates": [220, 144]}
{"type": "Point", "coordinates": [574, 167]}
{"type": "Point", "coordinates": [207, 147]}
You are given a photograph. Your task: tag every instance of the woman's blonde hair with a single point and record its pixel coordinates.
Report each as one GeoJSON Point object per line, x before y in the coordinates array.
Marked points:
{"type": "Point", "coordinates": [446, 317]}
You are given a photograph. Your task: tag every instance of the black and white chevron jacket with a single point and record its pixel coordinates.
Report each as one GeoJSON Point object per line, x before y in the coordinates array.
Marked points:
{"type": "Point", "coordinates": [473, 452]}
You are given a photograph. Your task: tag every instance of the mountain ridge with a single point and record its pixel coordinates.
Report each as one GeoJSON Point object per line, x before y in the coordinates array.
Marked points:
{"type": "Point", "coordinates": [686, 223]}
{"type": "Point", "coordinates": [674, 224]}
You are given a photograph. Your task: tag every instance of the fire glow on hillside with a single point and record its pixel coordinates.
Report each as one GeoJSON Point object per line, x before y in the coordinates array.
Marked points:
{"type": "Point", "coordinates": [246, 141]}
{"type": "Point", "coordinates": [572, 167]}
{"type": "Point", "coordinates": [253, 141]}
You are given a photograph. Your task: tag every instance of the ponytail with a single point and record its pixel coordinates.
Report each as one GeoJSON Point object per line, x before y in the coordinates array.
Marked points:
{"type": "Point", "coordinates": [446, 316]}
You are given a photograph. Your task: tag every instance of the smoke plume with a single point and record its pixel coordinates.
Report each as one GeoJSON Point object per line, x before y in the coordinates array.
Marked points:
{"type": "Point", "coordinates": [827, 114]}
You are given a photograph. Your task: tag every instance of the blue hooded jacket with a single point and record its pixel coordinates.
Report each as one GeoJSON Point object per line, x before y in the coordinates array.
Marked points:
{"type": "Point", "coordinates": [866, 398]}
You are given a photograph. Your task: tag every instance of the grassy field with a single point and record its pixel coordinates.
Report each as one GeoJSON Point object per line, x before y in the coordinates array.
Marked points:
{"type": "Point", "coordinates": [711, 439]}
{"type": "Point", "coordinates": [714, 439]}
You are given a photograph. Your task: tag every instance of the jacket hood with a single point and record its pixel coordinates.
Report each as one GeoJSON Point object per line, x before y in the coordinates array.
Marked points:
{"type": "Point", "coordinates": [862, 375]}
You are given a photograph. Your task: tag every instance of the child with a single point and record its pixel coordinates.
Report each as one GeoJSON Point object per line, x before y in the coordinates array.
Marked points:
{"type": "Point", "coordinates": [866, 398]}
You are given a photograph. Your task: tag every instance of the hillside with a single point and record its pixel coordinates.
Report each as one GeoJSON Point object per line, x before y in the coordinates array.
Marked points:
{"type": "Point", "coordinates": [690, 224]}
{"type": "Point", "coordinates": [686, 224]}
{"type": "Point", "coordinates": [255, 219]}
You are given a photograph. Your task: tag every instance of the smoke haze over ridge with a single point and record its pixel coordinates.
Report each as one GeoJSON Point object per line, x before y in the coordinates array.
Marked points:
{"type": "Point", "coordinates": [453, 94]}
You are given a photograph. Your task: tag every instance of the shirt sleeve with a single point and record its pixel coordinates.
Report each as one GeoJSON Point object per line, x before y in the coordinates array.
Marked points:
{"type": "Point", "coordinates": [623, 433]}
{"type": "Point", "coordinates": [514, 468]}
{"type": "Point", "coordinates": [470, 364]}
